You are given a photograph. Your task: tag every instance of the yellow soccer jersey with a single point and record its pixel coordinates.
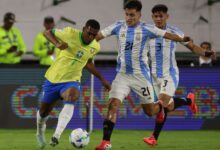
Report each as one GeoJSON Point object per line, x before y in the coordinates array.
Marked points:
{"type": "Point", "coordinates": [68, 65]}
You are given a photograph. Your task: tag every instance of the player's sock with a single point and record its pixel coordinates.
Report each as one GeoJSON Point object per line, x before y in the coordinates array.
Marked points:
{"type": "Point", "coordinates": [108, 127]}
{"type": "Point", "coordinates": [178, 102]}
{"type": "Point", "coordinates": [158, 126]}
{"type": "Point", "coordinates": [41, 123]}
{"type": "Point", "coordinates": [63, 119]}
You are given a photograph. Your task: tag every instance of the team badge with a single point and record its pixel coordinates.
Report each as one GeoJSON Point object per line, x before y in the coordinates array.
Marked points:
{"type": "Point", "coordinates": [79, 54]}
{"type": "Point", "coordinates": [122, 35]}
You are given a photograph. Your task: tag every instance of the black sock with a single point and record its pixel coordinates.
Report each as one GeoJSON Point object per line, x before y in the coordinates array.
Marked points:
{"type": "Point", "coordinates": [159, 126]}
{"type": "Point", "coordinates": [181, 101]}
{"type": "Point", "coordinates": [108, 127]}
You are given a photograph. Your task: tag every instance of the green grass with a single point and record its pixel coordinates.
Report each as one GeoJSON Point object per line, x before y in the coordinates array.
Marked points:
{"type": "Point", "coordinates": [121, 139]}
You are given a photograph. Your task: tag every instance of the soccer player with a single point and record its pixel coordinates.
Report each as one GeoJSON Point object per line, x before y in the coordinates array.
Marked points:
{"type": "Point", "coordinates": [165, 73]}
{"type": "Point", "coordinates": [132, 65]}
{"type": "Point", "coordinates": [64, 75]}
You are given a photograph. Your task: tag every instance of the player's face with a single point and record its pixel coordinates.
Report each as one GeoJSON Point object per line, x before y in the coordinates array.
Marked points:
{"type": "Point", "coordinates": [89, 34]}
{"type": "Point", "coordinates": [8, 24]}
{"type": "Point", "coordinates": [205, 46]}
{"type": "Point", "coordinates": [160, 19]}
{"type": "Point", "coordinates": [132, 17]}
{"type": "Point", "coordinates": [49, 26]}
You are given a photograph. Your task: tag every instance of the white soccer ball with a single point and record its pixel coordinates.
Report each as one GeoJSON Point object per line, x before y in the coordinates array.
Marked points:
{"type": "Point", "coordinates": [79, 138]}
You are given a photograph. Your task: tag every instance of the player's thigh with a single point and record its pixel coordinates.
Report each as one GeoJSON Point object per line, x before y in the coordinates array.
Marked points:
{"type": "Point", "coordinates": [143, 88]}
{"type": "Point", "coordinates": [120, 87]}
{"type": "Point", "coordinates": [169, 85]}
{"type": "Point", "coordinates": [156, 87]}
{"type": "Point", "coordinates": [70, 92]}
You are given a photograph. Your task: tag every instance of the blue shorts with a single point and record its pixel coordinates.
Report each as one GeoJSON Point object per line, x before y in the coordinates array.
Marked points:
{"type": "Point", "coordinates": [53, 91]}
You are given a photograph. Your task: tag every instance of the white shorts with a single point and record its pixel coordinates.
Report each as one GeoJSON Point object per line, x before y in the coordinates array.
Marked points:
{"type": "Point", "coordinates": [166, 85]}
{"type": "Point", "coordinates": [123, 84]}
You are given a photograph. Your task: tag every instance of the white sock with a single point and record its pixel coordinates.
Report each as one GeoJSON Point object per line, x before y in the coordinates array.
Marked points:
{"type": "Point", "coordinates": [64, 118]}
{"type": "Point", "coordinates": [41, 123]}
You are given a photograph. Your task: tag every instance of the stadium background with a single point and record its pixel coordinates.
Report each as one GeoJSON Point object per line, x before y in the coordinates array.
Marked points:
{"type": "Point", "coordinates": [20, 85]}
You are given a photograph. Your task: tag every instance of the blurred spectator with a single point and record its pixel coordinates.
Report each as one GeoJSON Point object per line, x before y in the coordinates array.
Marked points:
{"type": "Point", "coordinates": [43, 49]}
{"type": "Point", "coordinates": [205, 61]}
{"type": "Point", "coordinates": [12, 45]}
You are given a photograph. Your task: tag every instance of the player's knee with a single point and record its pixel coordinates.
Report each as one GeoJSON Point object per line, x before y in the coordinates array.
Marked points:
{"type": "Point", "coordinates": [43, 113]}
{"type": "Point", "coordinates": [72, 98]}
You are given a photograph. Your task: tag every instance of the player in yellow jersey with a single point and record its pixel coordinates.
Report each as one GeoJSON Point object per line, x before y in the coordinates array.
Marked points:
{"type": "Point", "coordinates": [64, 75]}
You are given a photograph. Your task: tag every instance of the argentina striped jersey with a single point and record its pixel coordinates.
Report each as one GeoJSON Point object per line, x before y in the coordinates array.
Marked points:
{"type": "Point", "coordinates": [162, 54]}
{"type": "Point", "coordinates": [132, 54]}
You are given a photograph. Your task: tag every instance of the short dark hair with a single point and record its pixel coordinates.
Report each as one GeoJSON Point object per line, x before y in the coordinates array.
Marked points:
{"type": "Point", "coordinates": [9, 16]}
{"type": "Point", "coordinates": [159, 8]}
{"type": "Point", "coordinates": [133, 4]}
{"type": "Point", "coordinates": [48, 19]}
{"type": "Point", "coordinates": [93, 23]}
{"type": "Point", "coordinates": [206, 43]}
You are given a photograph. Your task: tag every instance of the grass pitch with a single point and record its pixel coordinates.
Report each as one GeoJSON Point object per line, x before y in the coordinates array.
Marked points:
{"type": "Point", "coordinates": [121, 140]}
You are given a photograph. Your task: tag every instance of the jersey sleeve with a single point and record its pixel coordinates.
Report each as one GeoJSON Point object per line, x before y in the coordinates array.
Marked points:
{"type": "Point", "coordinates": [154, 31]}
{"type": "Point", "coordinates": [64, 33]}
{"type": "Point", "coordinates": [112, 29]}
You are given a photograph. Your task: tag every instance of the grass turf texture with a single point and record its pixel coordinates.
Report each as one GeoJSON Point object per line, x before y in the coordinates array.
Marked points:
{"type": "Point", "coordinates": [14, 139]}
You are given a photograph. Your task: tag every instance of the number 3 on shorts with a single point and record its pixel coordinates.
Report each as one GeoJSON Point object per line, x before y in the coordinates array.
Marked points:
{"type": "Point", "coordinates": [145, 91]}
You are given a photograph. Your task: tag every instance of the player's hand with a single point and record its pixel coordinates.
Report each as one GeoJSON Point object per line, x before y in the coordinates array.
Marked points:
{"type": "Point", "coordinates": [187, 39]}
{"type": "Point", "coordinates": [62, 45]}
{"type": "Point", "coordinates": [210, 53]}
{"type": "Point", "coordinates": [12, 49]}
{"type": "Point", "coordinates": [50, 52]}
{"type": "Point", "coordinates": [106, 84]}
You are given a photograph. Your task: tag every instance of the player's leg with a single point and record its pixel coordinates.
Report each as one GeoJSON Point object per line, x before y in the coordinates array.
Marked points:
{"type": "Point", "coordinates": [165, 89]}
{"type": "Point", "coordinates": [48, 101]}
{"type": "Point", "coordinates": [70, 93]}
{"type": "Point", "coordinates": [119, 91]}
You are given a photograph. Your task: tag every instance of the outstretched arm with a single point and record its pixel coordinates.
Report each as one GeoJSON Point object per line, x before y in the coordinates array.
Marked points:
{"type": "Point", "coordinates": [99, 36]}
{"type": "Point", "coordinates": [50, 36]}
{"type": "Point", "coordinates": [175, 37]}
{"type": "Point", "coordinates": [200, 51]}
{"type": "Point", "coordinates": [92, 69]}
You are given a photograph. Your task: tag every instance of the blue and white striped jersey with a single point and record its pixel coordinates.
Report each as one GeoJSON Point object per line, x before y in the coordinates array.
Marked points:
{"type": "Point", "coordinates": [132, 55]}
{"type": "Point", "coordinates": [162, 54]}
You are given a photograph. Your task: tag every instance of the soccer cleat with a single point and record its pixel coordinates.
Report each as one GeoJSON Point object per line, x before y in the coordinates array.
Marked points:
{"type": "Point", "coordinates": [54, 141]}
{"type": "Point", "coordinates": [151, 140]}
{"type": "Point", "coordinates": [105, 145]}
{"type": "Point", "coordinates": [193, 107]}
{"type": "Point", "coordinates": [40, 136]}
{"type": "Point", "coordinates": [161, 115]}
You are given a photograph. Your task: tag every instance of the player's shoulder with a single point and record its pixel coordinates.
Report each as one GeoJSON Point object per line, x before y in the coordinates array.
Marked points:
{"type": "Point", "coordinates": [120, 23]}
{"type": "Point", "coordinates": [70, 30]}
{"type": "Point", "coordinates": [15, 30]}
{"type": "Point", "coordinates": [147, 25]}
{"type": "Point", "coordinates": [174, 29]}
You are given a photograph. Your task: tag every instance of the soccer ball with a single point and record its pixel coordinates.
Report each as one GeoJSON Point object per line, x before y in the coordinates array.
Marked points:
{"type": "Point", "coordinates": [79, 138]}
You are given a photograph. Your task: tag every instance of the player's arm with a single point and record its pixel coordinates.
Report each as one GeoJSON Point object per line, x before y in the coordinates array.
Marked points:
{"type": "Point", "coordinates": [51, 37]}
{"type": "Point", "coordinates": [92, 69]}
{"type": "Point", "coordinates": [99, 36]}
{"type": "Point", "coordinates": [175, 37]}
{"type": "Point", "coordinates": [200, 51]}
